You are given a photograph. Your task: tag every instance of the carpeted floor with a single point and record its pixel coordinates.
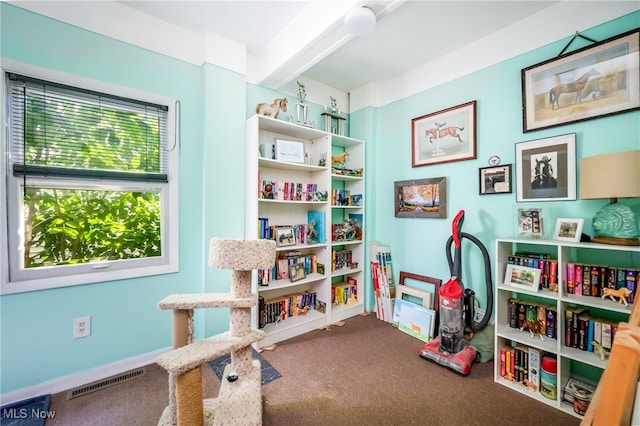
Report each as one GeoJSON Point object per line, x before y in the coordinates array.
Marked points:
{"type": "Point", "coordinates": [364, 373]}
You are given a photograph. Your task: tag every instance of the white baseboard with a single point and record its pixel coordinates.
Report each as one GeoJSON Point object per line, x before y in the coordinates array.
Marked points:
{"type": "Point", "coordinates": [79, 379]}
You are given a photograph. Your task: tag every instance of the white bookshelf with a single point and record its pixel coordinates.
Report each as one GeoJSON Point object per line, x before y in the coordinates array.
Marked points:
{"type": "Point", "coordinates": [317, 143]}
{"type": "Point", "coordinates": [563, 252]}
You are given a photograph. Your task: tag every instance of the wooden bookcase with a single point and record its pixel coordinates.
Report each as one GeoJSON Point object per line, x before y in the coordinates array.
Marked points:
{"type": "Point", "coordinates": [570, 361]}
{"type": "Point", "coordinates": [315, 179]}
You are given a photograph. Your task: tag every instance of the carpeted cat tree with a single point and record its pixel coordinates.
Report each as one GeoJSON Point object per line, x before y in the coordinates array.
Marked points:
{"type": "Point", "coordinates": [239, 400]}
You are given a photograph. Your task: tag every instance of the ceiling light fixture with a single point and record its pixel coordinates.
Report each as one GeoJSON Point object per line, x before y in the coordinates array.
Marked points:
{"type": "Point", "coordinates": [360, 21]}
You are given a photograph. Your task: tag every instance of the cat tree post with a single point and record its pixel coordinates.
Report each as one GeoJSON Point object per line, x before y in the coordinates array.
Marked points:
{"type": "Point", "coordinates": [240, 398]}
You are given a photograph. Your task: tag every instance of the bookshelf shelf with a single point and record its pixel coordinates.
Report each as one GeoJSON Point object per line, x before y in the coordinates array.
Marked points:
{"type": "Point", "coordinates": [571, 361]}
{"type": "Point", "coordinates": [296, 205]}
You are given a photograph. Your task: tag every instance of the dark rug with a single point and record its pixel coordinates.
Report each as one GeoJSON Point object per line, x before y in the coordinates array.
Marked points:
{"type": "Point", "coordinates": [269, 373]}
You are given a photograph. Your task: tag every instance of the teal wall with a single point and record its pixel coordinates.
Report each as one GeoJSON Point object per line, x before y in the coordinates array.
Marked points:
{"type": "Point", "coordinates": [35, 328]}
{"type": "Point", "coordinates": [418, 245]}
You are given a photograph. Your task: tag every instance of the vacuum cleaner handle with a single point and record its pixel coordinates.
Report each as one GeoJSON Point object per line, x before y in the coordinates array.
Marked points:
{"type": "Point", "coordinates": [456, 228]}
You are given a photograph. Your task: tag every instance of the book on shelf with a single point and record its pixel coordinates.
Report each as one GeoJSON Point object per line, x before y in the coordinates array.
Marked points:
{"type": "Point", "coordinates": [535, 357]}
{"type": "Point", "coordinates": [573, 385]}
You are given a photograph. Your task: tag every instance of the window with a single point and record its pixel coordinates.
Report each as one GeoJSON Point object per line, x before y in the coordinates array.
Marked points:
{"type": "Point", "coordinates": [90, 178]}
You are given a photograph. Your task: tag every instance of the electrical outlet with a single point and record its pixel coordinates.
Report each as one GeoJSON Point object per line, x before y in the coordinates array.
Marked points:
{"type": "Point", "coordinates": [81, 327]}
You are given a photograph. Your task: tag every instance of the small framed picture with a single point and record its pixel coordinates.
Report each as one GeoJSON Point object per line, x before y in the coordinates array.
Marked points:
{"type": "Point", "coordinates": [522, 277]}
{"type": "Point", "coordinates": [495, 180]}
{"type": "Point", "coordinates": [568, 229]}
{"type": "Point", "coordinates": [530, 223]}
{"type": "Point", "coordinates": [546, 169]}
{"type": "Point", "coordinates": [290, 151]}
{"type": "Point", "coordinates": [297, 272]}
{"type": "Point", "coordinates": [285, 236]}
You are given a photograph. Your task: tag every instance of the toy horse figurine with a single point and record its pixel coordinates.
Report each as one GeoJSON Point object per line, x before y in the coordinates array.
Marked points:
{"type": "Point", "coordinates": [279, 104]}
{"type": "Point", "coordinates": [621, 294]}
{"type": "Point", "coordinates": [340, 159]}
{"type": "Point", "coordinates": [534, 328]}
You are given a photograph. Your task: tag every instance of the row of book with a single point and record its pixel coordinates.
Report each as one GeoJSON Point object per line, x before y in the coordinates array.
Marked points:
{"type": "Point", "coordinates": [312, 232]}
{"type": "Point", "coordinates": [288, 191]}
{"type": "Point", "coordinates": [341, 259]}
{"type": "Point", "coordinates": [281, 269]}
{"type": "Point", "coordinates": [580, 328]}
{"type": "Point", "coordinates": [583, 329]}
{"type": "Point", "coordinates": [382, 279]}
{"type": "Point", "coordinates": [526, 310]}
{"type": "Point", "coordinates": [548, 267]}
{"type": "Point", "coordinates": [345, 293]}
{"type": "Point", "coordinates": [521, 364]}
{"type": "Point", "coordinates": [273, 311]}
{"type": "Point", "coordinates": [591, 280]}
{"type": "Point", "coordinates": [298, 234]}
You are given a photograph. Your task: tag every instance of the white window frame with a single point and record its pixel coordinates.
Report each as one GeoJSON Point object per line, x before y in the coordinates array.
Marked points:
{"type": "Point", "coordinates": [11, 217]}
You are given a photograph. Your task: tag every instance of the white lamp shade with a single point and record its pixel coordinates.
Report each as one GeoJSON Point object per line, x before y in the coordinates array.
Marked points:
{"type": "Point", "coordinates": [615, 175]}
{"type": "Point", "coordinates": [360, 21]}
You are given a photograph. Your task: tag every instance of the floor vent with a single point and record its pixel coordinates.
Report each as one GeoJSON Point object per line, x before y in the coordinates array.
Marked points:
{"type": "Point", "coordinates": [105, 383]}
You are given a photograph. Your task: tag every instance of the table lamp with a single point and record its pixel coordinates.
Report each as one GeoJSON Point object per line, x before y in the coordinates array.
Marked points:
{"type": "Point", "coordinates": [613, 176]}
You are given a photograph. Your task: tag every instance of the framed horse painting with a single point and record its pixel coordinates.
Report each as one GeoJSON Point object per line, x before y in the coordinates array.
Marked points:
{"type": "Point", "coordinates": [444, 136]}
{"type": "Point", "coordinates": [546, 169]}
{"type": "Point", "coordinates": [595, 81]}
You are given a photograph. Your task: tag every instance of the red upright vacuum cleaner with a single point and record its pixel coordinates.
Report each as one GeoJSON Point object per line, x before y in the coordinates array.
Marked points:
{"type": "Point", "coordinates": [456, 310]}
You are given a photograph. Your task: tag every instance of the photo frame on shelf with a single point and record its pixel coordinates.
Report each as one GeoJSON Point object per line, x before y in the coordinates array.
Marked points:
{"type": "Point", "coordinates": [290, 151]}
{"type": "Point", "coordinates": [522, 277]}
{"type": "Point", "coordinates": [568, 229]}
{"type": "Point", "coordinates": [444, 136]}
{"type": "Point", "coordinates": [530, 223]}
{"type": "Point", "coordinates": [297, 272]}
{"type": "Point", "coordinates": [421, 198]}
{"type": "Point", "coordinates": [495, 180]}
{"type": "Point", "coordinates": [285, 236]}
{"type": "Point", "coordinates": [595, 81]}
{"type": "Point", "coordinates": [546, 169]}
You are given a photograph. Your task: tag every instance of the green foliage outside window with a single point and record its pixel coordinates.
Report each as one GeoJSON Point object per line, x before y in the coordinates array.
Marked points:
{"type": "Point", "coordinates": [65, 226]}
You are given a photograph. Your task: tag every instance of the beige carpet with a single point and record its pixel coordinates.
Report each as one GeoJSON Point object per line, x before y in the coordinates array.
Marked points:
{"type": "Point", "coordinates": [364, 373]}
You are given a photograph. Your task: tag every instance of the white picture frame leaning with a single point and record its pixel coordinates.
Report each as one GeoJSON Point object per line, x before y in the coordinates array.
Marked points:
{"type": "Point", "coordinates": [546, 169]}
{"type": "Point", "coordinates": [522, 277]}
{"type": "Point", "coordinates": [290, 151]}
{"type": "Point", "coordinates": [568, 229]}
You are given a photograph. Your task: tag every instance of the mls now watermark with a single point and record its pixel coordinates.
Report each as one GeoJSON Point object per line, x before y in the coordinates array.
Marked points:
{"type": "Point", "coordinates": [26, 413]}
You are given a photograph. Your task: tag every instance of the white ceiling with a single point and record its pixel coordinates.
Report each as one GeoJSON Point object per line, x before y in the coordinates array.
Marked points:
{"type": "Point", "coordinates": [408, 33]}
{"type": "Point", "coordinates": [415, 45]}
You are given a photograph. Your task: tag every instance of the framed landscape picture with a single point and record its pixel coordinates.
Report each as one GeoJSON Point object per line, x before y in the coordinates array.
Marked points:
{"type": "Point", "coordinates": [444, 136]}
{"type": "Point", "coordinates": [546, 169]}
{"type": "Point", "coordinates": [421, 198]}
{"type": "Point", "coordinates": [522, 277]}
{"type": "Point", "coordinates": [595, 81]}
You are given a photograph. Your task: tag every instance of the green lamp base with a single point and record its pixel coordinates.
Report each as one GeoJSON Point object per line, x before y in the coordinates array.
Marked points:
{"type": "Point", "coordinates": [616, 224]}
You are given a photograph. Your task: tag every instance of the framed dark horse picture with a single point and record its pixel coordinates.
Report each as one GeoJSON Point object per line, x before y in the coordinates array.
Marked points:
{"type": "Point", "coordinates": [546, 169]}
{"type": "Point", "coordinates": [595, 81]}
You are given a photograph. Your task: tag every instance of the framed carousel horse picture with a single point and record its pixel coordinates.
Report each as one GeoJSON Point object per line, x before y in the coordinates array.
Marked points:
{"type": "Point", "coordinates": [595, 81]}
{"type": "Point", "coordinates": [546, 169]}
